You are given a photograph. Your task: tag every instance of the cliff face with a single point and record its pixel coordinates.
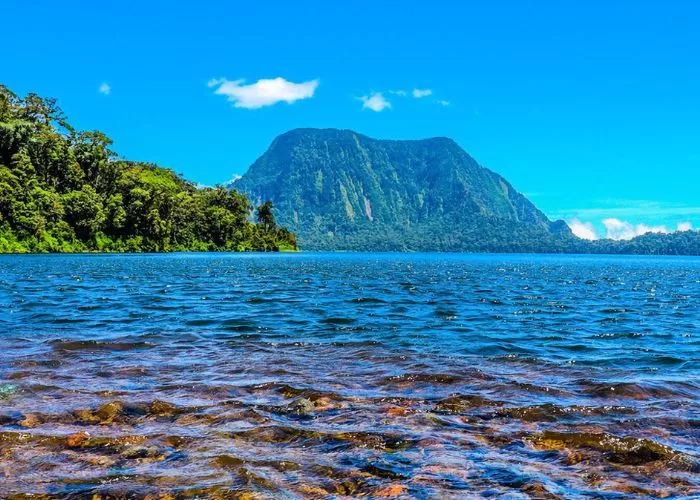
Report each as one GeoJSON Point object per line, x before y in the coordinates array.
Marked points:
{"type": "Point", "coordinates": [339, 190]}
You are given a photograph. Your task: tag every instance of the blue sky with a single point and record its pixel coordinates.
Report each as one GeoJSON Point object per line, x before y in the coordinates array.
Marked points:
{"type": "Point", "coordinates": [592, 109]}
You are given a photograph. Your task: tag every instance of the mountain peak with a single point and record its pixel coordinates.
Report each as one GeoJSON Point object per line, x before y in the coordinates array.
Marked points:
{"type": "Point", "coordinates": [348, 134]}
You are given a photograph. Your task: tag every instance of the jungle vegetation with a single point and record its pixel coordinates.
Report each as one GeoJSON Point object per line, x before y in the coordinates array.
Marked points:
{"type": "Point", "coordinates": [64, 190]}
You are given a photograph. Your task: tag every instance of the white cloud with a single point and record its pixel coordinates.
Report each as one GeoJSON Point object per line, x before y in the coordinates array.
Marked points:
{"type": "Point", "coordinates": [583, 230]}
{"type": "Point", "coordinates": [418, 93]}
{"type": "Point", "coordinates": [104, 89]}
{"type": "Point", "coordinates": [616, 229]}
{"type": "Point", "coordinates": [621, 230]}
{"type": "Point", "coordinates": [263, 92]}
{"type": "Point", "coordinates": [375, 102]}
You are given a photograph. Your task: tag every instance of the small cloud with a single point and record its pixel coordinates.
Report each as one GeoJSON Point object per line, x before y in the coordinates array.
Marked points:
{"type": "Point", "coordinates": [375, 102]}
{"type": "Point", "coordinates": [104, 89]}
{"type": "Point", "coordinates": [215, 81]}
{"type": "Point", "coordinates": [583, 230]}
{"type": "Point", "coordinates": [444, 102]}
{"type": "Point", "coordinates": [263, 92]}
{"type": "Point", "coordinates": [684, 226]}
{"type": "Point", "coordinates": [401, 93]}
{"type": "Point", "coordinates": [418, 93]}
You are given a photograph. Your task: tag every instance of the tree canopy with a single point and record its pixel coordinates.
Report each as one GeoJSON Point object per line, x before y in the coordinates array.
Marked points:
{"type": "Point", "coordinates": [63, 190]}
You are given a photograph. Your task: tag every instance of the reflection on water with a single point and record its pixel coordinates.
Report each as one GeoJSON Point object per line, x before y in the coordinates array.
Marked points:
{"type": "Point", "coordinates": [379, 375]}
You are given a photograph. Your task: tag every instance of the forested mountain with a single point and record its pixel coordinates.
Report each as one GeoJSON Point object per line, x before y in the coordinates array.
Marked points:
{"type": "Point", "coordinates": [62, 190]}
{"type": "Point", "coordinates": [340, 190]}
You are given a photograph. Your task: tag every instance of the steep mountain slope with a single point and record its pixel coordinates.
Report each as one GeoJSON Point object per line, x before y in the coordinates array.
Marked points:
{"type": "Point", "coordinates": [339, 190]}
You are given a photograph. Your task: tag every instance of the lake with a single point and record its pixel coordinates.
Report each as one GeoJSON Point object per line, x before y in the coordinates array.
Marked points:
{"type": "Point", "coordinates": [305, 375]}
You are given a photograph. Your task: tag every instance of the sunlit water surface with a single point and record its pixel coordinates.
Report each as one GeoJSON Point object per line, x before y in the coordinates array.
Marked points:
{"type": "Point", "coordinates": [359, 374]}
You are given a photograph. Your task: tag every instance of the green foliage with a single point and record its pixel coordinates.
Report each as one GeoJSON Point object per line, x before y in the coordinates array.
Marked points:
{"type": "Point", "coordinates": [339, 190]}
{"type": "Point", "coordinates": [62, 190]}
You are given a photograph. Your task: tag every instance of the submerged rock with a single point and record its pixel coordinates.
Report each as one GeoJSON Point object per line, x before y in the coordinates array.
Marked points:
{"type": "Point", "coordinates": [7, 391]}
{"type": "Point", "coordinates": [619, 450]}
{"type": "Point", "coordinates": [383, 470]}
{"type": "Point", "coordinates": [228, 462]}
{"type": "Point", "coordinates": [301, 406]}
{"type": "Point", "coordinates": [30, 421]}
{"type": "Point", "coordinates": [539, 491]}
{"type": "Point", "coordinates": [409, 379]}
{"type": "Point", "coordinates": [163, 409]}
{"type": "Point", "coordinates": [78, 439]}
{"type": "Point", "coordinates": [462, 403]}
{"type": "Point", "coordinates": [551, 412]}
{"type": "Point", "coordinates": [109, 411]}
{"type": "Point", "coordinates": [394, 490]}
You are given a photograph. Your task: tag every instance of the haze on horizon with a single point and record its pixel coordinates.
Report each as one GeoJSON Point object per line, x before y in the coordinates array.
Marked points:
{"type": "Point", "coordinates": [590, 110]}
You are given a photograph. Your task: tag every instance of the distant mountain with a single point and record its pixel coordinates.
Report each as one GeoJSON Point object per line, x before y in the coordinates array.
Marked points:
{"type": "Point", "coordinates": [340, 190]}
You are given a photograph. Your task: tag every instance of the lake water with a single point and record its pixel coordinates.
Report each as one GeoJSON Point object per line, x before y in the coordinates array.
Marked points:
{"type": "Point", "coordinates": [363, 374]}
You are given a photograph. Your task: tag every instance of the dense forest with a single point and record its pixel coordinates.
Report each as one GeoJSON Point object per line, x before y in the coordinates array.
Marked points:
{"type": "Point", "coordinates": [489, 237]}
{"type": "Point", "coordinates": [677, 243]}
{"type": "Point", "coordinates": [62, 190]}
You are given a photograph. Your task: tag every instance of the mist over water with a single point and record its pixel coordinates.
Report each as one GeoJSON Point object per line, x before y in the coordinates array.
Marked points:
{"type": "Point", "coordinates": [363, 374]}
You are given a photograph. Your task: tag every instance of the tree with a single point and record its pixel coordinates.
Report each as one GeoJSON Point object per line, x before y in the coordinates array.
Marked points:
{"type": "Point", "coordinates": [92, 153]}
{"type": "Point", "coordinates": [84, 212]}
{"type": "Point", "coordinates": [44, 112]}
{"type": "Point", "coordinates": [265, 216]}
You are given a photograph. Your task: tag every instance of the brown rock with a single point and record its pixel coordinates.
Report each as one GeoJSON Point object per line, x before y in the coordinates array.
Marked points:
{"type": "Point", "coordinates": [30, 421]}
{"type": "Point", "coordinates": [109, 411]}
{"type": "Point", "coordinates": [313, 491]}
{"type": "Point", "coordinates": [394, 490]}
{"type": "Point", "coordinates": [163, 408]}
{"type": "Point", "coordinates": [77, 439]}
{"type": "Point", "coordinates": [396, 411]}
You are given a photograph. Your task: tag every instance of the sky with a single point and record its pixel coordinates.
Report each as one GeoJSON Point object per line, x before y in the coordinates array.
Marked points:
{"type": "Point", "coordinates": [591, 109]}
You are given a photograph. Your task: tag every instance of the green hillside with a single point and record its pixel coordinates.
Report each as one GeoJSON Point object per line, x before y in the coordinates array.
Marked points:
{"type": "Point", "coordinates": [339, 190]}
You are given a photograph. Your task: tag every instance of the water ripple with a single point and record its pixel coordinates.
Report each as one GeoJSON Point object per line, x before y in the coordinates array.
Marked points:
{"type": "Point", "coordinates": [316, 375]}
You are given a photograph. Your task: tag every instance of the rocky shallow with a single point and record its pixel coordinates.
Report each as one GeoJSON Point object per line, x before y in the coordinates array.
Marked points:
{"type": "Point", "coordinates": [271, 439]}
{"type": "Point", "coordinates": [315, 376]}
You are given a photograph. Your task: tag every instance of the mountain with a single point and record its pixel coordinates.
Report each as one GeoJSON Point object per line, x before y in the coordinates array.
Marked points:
{"type": "Point", "coordinates": [340, 190]}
